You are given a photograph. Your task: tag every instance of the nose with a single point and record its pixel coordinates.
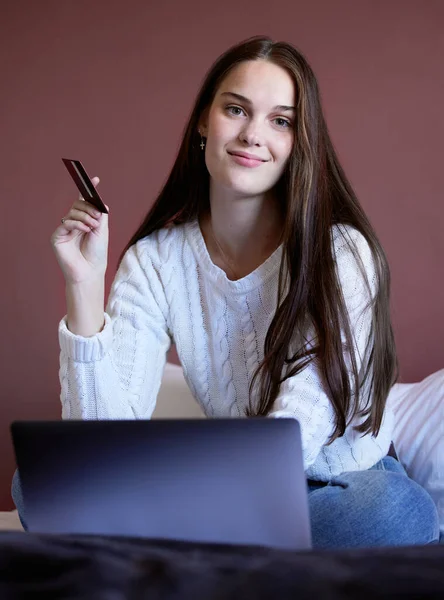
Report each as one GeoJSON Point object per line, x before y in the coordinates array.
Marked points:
{"type": "Point", "coordinates": [251, 134]}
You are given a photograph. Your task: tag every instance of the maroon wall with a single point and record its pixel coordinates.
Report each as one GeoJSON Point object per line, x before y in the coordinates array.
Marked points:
{"type": "Point", "coordinates": [112, 83]}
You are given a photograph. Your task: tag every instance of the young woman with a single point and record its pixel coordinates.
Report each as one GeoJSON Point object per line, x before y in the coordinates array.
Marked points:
{"type": "Point", "coordinates": [259, 262]}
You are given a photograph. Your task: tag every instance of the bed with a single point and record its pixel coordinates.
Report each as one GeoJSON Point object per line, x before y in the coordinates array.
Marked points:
{"type": "Point", "coordinates": [120, 568]}
{"type": "Point", "coordinates": [112, 568]}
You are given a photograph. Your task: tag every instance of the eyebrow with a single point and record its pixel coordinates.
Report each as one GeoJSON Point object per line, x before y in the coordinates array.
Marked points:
{"type": "Point", "coordinates": [281, 107]}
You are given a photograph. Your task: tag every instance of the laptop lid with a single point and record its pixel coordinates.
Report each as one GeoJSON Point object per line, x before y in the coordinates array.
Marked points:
{"type": "Point", "coordinates": [234, 481]}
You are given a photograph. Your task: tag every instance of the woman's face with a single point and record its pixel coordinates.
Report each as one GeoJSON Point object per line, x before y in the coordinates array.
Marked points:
{"type": "Point", "coordinates": [250, 128]}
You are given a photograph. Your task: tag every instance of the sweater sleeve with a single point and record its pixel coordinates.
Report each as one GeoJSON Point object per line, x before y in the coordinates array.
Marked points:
{"type": "Point", "coordinates": [116, 374]}
{"type": "Point", "coordinates": [302, 396]}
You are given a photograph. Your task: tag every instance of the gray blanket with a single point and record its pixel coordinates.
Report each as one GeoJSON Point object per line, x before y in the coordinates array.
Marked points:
{"type": "Point", "coordinates": [72, 567]}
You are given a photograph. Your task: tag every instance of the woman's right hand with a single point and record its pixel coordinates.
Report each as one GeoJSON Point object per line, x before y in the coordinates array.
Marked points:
{"type": "Point", "coordinates": [80, 242]}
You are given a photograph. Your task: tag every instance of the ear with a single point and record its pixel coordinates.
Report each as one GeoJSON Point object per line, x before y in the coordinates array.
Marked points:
{"type": "Point", "coordinates": [203, 130]}
{"type": "Point", "coordinates": [203, 124]}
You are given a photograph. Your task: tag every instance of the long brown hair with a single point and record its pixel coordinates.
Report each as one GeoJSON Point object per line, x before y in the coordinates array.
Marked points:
{"type": "Point", "coordinates": [316, 195]}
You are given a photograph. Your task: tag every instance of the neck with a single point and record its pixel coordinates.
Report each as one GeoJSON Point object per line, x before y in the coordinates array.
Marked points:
{"type": "Point", "coordinates": [241, 233]}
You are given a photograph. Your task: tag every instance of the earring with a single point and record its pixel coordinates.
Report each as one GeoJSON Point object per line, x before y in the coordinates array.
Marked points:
{"type": "Point", "coordinates": [202, 143]}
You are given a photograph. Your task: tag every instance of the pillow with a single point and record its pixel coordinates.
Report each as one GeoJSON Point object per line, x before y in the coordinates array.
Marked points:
{"type": "Point", "coordinates": [175, 400]}
{"type": "Point", "coordinates": [419, 434]}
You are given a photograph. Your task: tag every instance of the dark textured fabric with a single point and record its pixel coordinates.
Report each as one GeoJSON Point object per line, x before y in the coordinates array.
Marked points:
{"type": "Point", "coordinates": [72, 567]}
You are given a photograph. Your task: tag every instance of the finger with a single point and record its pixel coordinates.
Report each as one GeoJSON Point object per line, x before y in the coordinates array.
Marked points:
{"type": "Point", "coordinates": [83, 216]}
{"type": "Point", "coordinates": [87, 207]}
{"type": "Point", "coordinates": [73, 225]}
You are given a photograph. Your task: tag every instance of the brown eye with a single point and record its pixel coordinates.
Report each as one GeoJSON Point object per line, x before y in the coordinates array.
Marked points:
{"type": "Point", "coordinates": [284, 123]}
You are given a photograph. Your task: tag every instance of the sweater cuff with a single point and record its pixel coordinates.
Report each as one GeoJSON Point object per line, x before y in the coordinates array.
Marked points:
{"type": "Point", "coordinates": [86, 349]}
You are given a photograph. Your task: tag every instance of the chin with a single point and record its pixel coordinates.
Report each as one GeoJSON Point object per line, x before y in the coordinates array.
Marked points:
{"type": "Point", "coordinates": [244, 186]}
{"type": "Point", "coordinates": [246, 190]}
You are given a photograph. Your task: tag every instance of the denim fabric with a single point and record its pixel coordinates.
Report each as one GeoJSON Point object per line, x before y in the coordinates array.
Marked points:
{"type": "Point", "coordinates": [17, 496]}
{"type": "Point", "coordinates": [377, 507]}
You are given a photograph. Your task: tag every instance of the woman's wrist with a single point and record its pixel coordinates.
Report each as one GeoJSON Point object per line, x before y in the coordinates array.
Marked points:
{"type": "Point", "coordinates": [85, 304]}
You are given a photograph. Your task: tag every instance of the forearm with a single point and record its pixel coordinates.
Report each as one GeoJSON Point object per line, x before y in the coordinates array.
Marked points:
{"type": "Point", "coordinates": [111, 363]}
{"type": "Point", "coordinates": [85, 304]}
{"type": "Point", "coordinates": [101, 378]}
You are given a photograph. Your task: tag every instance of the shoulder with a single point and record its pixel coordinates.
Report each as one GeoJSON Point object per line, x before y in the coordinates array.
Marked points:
{"type": "Point", "coordinates": [149, 266]}
{"type": "Point", "coordinates": [346, 239]}
{"type": "Point", "coordinates": [350, 247]}
{"type": "Point", "coordinates": [355, 262]}
{"type": "Point", "coordinates": [158, 249]}
{"type": "Point", "coordinates": [162, 241]}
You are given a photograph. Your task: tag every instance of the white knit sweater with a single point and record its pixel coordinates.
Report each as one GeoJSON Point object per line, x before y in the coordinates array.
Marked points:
{"type": "Point", "coordinates": [168, 289]}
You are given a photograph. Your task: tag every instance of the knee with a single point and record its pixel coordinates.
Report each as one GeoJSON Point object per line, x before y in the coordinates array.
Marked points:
{"type": "Point", "coordinates": [16, 488]}
{"type": "Point", "coordinates": [413, 515]}
{"type": "Point", "coordinates": [373, 508]}
{"type": "Point", "coordinates": [17, 496]}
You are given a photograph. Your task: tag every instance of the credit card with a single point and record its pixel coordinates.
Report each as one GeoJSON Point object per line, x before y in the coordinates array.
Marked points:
{"type": "Point", "coordinates": [84, 183]}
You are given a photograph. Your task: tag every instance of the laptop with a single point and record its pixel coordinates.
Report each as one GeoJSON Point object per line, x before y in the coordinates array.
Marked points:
{"type": "Point", "coordinates": [223, 481]}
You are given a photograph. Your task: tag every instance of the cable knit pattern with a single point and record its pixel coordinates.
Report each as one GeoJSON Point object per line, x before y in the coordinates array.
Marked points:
{"type": "Point", "coordinates": [167, 288]}
{"type": "Point", "coordinates": [250, 340]}
{"type": "Point", "coordinates": [222, 335]}
{"type": "Point", "coordinates": [198, 382]}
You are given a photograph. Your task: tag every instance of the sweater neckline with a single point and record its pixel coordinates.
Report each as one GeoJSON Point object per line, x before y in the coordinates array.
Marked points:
{"type": "Point", "coordinates": [246, 284]}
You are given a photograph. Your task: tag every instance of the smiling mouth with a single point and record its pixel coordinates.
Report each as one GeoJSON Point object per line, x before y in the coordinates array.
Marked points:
{"type": "Point", "coordinates": [247, 156]}
{"type": "Point", "coordinates": [246, 161]}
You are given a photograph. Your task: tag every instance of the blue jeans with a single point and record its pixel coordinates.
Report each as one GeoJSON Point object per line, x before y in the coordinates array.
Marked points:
{"type": "Point", "coordinates": [378, 507]}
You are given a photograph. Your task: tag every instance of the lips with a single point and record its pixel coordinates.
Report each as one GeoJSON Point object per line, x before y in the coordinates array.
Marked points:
{"type": "Point", "coordinates": [248, 156]}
